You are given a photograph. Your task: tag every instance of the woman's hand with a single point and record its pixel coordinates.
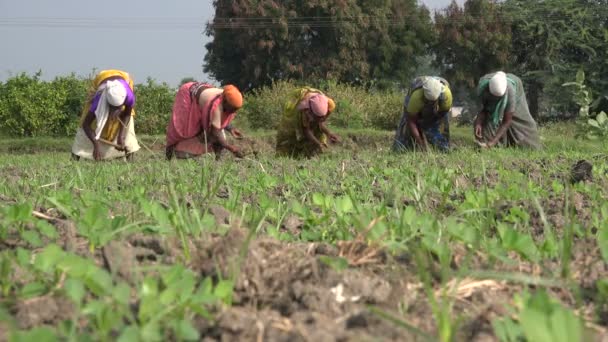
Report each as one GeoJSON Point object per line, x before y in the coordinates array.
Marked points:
{"type": "Point", "coordinates": [120, 142]}
{"type": "Point", "coordinates": [478, 131]}
{"type": "Point", "coordinates": [334, 138]}
{"type": "Point", "coordinates": [96, 151]}
{"type": "Point", "coordinates": [237, 152]}
{"type": "Point", "coordinates": [236, 133]}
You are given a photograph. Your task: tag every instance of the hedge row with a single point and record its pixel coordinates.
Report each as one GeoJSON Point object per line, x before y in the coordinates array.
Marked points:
{"type": "Point", "coordinates": [31, 107]}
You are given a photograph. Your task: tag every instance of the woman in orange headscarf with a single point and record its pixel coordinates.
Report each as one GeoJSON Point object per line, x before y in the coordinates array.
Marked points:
{"type": "Point", "coordinates": [201, 112]}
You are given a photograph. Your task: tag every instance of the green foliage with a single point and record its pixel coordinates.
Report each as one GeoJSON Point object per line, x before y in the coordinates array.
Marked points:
{"type": "Point", "coordinates": [541, 319]}
{"type": "Point", "coordinates": [472, 40]}
{"type": "Point", "coordinates": [543, 42]}
{"type": "Point", "coordinates": [356, 107]}
{"type": "Point", "coordinates": [440, 218]}
{"type": "Point", "coordinates": [592, 126]}
{"type": "Point", "coordinates": [255, 43]}
{"type": "Point", "coordinates": [32, 107]}
{"type": "Point", "coordinates": [153, 107]}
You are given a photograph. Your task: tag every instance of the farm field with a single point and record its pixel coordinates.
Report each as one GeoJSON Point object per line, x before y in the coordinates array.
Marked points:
{"type": "Point", "coordinates": [358, 244]}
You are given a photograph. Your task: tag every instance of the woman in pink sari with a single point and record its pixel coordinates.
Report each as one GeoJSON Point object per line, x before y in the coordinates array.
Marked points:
{"type": "Point", "coordinates": [201, 112]}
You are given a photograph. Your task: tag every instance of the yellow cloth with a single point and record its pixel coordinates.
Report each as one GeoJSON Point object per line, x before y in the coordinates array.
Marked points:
{"type": "Point", "coordinates": [112, 126]}
{"type": "Point", "coordinates": [417, 101]}
{"type": "Point", "coordinates": [290, 133]}
{"type": "Point", "coordinates": [331, 105]}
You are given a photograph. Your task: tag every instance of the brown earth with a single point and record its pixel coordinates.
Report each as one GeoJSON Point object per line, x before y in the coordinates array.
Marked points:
{"type": "Point", "coordinates": [287, 292]}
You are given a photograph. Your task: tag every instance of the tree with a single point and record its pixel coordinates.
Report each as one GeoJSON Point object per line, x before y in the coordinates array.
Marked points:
{"type": "Point", "coordinates": [256, 42]}
{"type": "Point", "coordinates": [552, 40]}
{"type": "Point", "coordinates": [472, 40]}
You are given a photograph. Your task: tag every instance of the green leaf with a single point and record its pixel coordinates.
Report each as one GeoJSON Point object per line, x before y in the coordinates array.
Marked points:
{"type": "Point", "coordinates": [186, 331]}
{"type": "Point", "coordinates": [507, 330]}
{"type": "Point", "coordinates": [48, 258]}
{"type": "Point", "coordinates": [565, 326]}
{"type": "Point", "coordinates": [151, 332]}
{"type": "Point", "coordinates": [149, 288]}
{"type": "Point", "coordinates": [336, 263]}
{"type": "Point", "coordinates": [122, 293]}
{"type": "Point", "coordinates": [19, 212]}
{"type": "Point", "coordinates": [46, 229]}
{"type": "Point", "coordinates": [601, 118]}
{"type": "Point", "coordinates": [580, 76]}
{"type": "Point", "coordinates": [93, 308]}
{"type": "Point", "coordinates": [318, 199]}
{"type": "Point", "coordinates": [129, 334]}
{"type": "Point", "coordinates": [593, 123]}
{"type": "Point", "coordinates": [31, 237]}
{"type": "Point", "coordinates": [534, 324]}
{"type": "Point", "coordinates": [23, 257]}
{"type": "Point", "coordinates": [74, 289]}
{"type": "Point", "coordinates": [37, 334]}
{"type": "Point", "coordinates": [344, 205]}
{"type": "Point", "coordinates": [602, 242]}
{"type": "Point", "coordinates": [34, 289]}
{"type": "Point", "coordinates": [223, 290]}
{"type": "Point", "coordinates": [98, 281]}
{"type": "Point", "coordinates": [204, 294]}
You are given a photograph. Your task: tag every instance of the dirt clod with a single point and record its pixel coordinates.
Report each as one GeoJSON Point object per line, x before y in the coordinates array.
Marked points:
{"type": "Point", "coordinates": [581, 171]}
{"type": "Point", "coordinates": [42, 310]}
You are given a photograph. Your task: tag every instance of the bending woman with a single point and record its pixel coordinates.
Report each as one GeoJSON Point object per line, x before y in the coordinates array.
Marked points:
{"type": "Point", "coordinates": [302, 130]}
{"type": "Point", "coordinates": [505, 118]}
{"type": "Point", "coordinates": [201, 112]}
{"type": "Point", "coordinates": [425, 119]}
{"type": "Point", "coordinates": [107, 129]}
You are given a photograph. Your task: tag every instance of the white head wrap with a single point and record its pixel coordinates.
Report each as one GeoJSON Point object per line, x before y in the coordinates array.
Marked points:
{"type": "Point", "coordinates": [432, 88]}
{"type": "Point", "coordinates": [116, 93]}
{"type": "Point", "coordinates": [498, 84]}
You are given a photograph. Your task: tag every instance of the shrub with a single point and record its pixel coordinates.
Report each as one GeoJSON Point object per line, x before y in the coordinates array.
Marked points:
{"type": "Point", "coordinates": [590, 125]}
{"type": "Point", "coordinates": [356, 107]}
{"type": "Point", "coordinates": [153, 107]}
{"type": "Point", "coordinates": [31, 107]}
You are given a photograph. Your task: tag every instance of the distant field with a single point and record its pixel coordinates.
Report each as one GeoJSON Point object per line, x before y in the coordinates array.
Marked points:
{"type": "Point", "coordinates": [358, 244]}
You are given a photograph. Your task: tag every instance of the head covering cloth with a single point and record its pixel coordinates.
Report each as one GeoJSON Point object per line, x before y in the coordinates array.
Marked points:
{"type": "Point", "coordinates": [432, 88]}
{"type": "Point", "coordinates": [318, 105]}
{"type": "Point", "coordinates": [233, 96]}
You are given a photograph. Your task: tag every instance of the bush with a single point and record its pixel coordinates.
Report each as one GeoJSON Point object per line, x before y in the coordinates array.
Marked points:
{"type": "Point", "coordinates": [591, 125]}
{"type": "Point", "coordinates": [153, 107]}
{"type": "Point", "coordinates": [31, 107]}
{"type": "Point", "coordinates": [356, 107]}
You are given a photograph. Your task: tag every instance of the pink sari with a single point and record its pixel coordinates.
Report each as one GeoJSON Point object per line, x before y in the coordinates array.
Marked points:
{"type": "Point", "coordinates": [189, 120]}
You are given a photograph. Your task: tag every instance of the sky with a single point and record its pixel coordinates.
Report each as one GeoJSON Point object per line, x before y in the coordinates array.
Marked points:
{"type": "Point", "coordinates": [163, 40]}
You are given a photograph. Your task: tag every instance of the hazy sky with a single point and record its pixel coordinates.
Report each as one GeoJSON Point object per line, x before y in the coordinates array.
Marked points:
{"type": "Point", "coordinates": [148, 38]}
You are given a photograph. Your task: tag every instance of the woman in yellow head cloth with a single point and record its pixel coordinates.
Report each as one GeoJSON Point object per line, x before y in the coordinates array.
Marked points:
{"type": "Point", "coordinates": [107, 130]}
{"type": "Point", "coordinates": [425, 119]}
{"type": "Point", "coordinates": [200, 114]}
{"type": "Point", "coordinates": [302, 130]}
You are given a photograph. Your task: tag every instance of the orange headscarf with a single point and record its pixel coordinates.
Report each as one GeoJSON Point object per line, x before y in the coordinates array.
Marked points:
{"type": "Point", "coordinates": [233, 96]}
{"type": "Point", "coordinates": [331, 105]}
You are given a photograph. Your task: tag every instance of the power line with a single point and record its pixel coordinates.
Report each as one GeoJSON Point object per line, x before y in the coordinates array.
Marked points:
{"type": "Point", "coordinates": [155, 23]}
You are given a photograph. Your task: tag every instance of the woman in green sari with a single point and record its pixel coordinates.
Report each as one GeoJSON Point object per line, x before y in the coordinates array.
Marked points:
{"type": "Point", "coordinates": [302, 130]}
{"type": "Point", "coordinates": [505, 118]}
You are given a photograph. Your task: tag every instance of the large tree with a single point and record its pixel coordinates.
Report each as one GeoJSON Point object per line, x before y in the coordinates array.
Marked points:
{"type": "Point", "coordinates": [472, 40]}
{"type": "Point", "coordinates": [255, 42]}
{"type": "Point", "coordinates": [552, 40]}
